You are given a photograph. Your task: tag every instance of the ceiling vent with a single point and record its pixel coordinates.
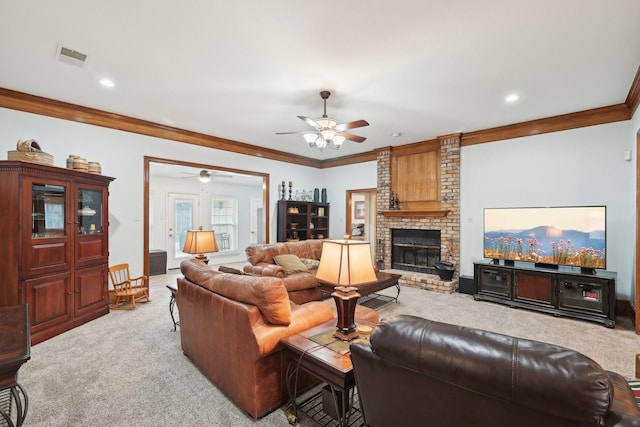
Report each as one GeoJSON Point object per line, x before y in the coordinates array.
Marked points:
{"type": "Point", "coordinates": [70, 56]}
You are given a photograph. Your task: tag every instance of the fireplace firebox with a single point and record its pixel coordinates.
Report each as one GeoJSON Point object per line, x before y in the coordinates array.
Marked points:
{"type": "Point", "coordinates": [415, 250]}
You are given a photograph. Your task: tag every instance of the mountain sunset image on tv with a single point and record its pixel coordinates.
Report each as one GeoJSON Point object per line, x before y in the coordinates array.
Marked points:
{"type": "Point", "coordinates": [573, 236]}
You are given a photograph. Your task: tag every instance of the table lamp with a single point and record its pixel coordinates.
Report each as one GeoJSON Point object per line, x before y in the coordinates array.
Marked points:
{"type": "Point", "coordinates": [200, 241]}
{"type": "Point", "coordinates": [345, 263]}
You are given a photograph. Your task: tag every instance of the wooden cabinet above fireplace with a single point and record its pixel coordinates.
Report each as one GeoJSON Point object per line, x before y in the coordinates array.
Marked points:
{"type": "Point", "coordinates": [415, 176]}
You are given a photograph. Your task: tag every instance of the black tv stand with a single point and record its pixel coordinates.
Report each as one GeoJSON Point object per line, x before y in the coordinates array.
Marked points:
{"type": "Point", "coordinates": [545, 265]}
{"type": "Point", "coordinates": [561, 292]}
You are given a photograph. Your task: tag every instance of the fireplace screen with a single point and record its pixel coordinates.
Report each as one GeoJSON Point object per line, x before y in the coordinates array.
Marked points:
{"type": "Point", "coordinates": [415, 250]}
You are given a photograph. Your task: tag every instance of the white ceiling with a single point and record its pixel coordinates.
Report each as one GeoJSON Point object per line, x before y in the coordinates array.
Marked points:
{"type": "Point", "coordinates": [244, 70]}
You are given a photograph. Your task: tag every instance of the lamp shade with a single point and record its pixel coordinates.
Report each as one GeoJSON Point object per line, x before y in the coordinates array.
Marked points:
{"type": "Point", "coordinates": [200, 241]}
{"type": "Point", "coordinates": [346, 262]}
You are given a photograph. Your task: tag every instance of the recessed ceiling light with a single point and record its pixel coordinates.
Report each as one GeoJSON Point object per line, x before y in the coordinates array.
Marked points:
{"type": "Point", "coordinates": [107, 83]}
{"type": "Point", "coordinates": [512, 98]}
{"type": "Point", "coordinates": [396, 134]}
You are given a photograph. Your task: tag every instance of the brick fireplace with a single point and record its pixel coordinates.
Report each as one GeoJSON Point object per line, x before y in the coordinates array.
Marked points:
{"type": "Point", "coordinates": [448, 224]}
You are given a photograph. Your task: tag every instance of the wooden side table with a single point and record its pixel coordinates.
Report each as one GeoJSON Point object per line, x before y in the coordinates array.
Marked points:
{"type": "Point", "coordinates": [331, 364]}
{"type": "Point", "coordinates": [15, 350]}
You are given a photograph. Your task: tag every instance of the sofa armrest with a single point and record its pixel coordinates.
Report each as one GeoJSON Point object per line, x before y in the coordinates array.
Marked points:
{"type": "Point", "coordinates": [303, 317]}
{"type": "Point", "coordinates": [264, 269]}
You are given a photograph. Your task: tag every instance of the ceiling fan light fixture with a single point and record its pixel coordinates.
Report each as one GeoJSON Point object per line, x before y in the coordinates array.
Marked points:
{"type": "Point", "coordinates": [310, 138]}
{"type": "Point", "coordinates": [326, 123]}
{"type": "Point", "coordinates": [337, 140]}
{"type": "Point", "coordinates": [328, 134]}
{"type": "Point", "coordinates": [327, 131]}
{"type": "Point", "coordinates": [321, 143]}
{"type": "Point", "coordinates": [205, 176]}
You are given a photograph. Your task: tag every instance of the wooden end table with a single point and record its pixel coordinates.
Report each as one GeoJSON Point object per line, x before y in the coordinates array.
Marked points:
{"type": "Point", "coordinates": [383, 280]}
{"type": "Point", "coordinates": [15, 350]}
{"type": "Point", "coordinates": [329, 363]}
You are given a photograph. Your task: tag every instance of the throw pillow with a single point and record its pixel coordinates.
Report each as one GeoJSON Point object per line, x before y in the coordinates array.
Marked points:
{"type": "Point", "coordinates": [310, 263]}
{"type": "Point", "coordinates": [291, 263]}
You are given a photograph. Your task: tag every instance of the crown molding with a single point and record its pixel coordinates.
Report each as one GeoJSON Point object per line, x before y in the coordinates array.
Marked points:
{"type": "Point", "coordinates": [633, 98]}
{"type": "Point", "coordinates": [67, 111]}
{"type": "Point", "coordinates": [63, 110]}
{"type": "Point", "coordinates": [596, 116]}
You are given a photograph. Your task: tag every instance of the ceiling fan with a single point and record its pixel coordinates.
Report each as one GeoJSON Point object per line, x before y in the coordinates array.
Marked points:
{"type": "Point", "coordinates": [328, 133]}
{"type": "Point", "coordinates": [205, 175]}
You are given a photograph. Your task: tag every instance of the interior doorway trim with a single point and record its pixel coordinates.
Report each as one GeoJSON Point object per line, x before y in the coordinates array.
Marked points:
{"type": "Point", "coordinates": [637, 269]}
{"type": "Point", "coordinates": [370, 217]}
{"type": "Point", "coordinates": [147, 176]}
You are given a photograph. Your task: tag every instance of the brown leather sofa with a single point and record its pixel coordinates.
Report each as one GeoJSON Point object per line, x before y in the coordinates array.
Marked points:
{"type": "Point", "coordinates": [230, 328]}
{"type": "Point", "coordinates": [415, 371]}
{"type": "Point", "coordinates": [302, 286]}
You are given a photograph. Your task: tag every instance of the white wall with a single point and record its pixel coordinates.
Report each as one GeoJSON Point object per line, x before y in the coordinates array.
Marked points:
{"type": "Point", "coordinates": [340, 179]}
{"type": "Point", "coordinates": [121, 155]}
{"type": "Point", "coordinates": [576, 167]}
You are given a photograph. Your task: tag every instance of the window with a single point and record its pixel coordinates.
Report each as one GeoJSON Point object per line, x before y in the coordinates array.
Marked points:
{"type": "Point", "coordinates": [224, 220]}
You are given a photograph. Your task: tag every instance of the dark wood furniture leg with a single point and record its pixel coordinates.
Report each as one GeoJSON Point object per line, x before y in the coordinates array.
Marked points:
{"type": "Point", "coordinates": [172, 303]}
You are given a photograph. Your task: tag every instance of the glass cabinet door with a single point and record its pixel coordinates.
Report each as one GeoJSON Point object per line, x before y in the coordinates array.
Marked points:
{"type": "Point", "coordinates": [89, 211]}
{"type": "Point", "coordinates": [48, 214]}
{"type": "Point", "coordinates": [47, 236]}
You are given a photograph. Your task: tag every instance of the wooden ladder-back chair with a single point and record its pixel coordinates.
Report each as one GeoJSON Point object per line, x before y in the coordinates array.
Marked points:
{"type": "Point", "coordinates": [127, 290]}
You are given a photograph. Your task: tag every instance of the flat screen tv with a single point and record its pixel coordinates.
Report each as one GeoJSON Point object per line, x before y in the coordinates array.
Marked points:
{"type": "Point", "coordinates": [550, 236]}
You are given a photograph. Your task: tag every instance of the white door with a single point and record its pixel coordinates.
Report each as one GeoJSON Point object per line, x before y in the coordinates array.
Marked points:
{"type": "Point", "coordinates": [183, 211]}
{"type": "Point", "coordinates": [256, 220]}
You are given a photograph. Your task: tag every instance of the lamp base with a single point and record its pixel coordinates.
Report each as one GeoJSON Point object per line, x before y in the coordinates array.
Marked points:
{"type": "Point", "coordinates": [348, 336]}
{"type": "Point", "coordinates": [203, 258]}
{"type": "Point", "coordinates": [346, 299]}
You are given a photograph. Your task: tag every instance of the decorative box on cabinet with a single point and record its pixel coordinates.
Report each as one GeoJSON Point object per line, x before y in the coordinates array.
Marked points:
{"type": "Point", "coordinates": [561, 292]}
{"type": "Point", "coordinates": [302, 220]}
{"type": "Point", "coordinates": [56, 259]}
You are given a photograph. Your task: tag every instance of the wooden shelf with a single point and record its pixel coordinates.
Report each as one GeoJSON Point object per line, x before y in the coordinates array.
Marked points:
{"type": "Point", "coordinates": [406, 213]}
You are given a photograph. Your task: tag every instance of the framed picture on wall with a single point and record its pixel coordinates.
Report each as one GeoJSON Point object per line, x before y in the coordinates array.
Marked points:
{"type": "Point", "coordinates": [359, 210]}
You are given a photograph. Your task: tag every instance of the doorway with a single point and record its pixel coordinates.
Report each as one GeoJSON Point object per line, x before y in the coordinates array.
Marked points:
{"type": "Point", "coordinates": [163, 176]}
{"type": "Point", "coordinates": [361, 216]}
{"type": "Point", "coordinates": [182, 215]}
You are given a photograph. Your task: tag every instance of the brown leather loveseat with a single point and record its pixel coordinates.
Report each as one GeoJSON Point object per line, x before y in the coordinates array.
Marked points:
{"type": "Point", "coordinates": [415, 371]}
{"type": "Point", "coordinates": [230, 328]}
{"type": "Point", "coordinates": [301, 283]}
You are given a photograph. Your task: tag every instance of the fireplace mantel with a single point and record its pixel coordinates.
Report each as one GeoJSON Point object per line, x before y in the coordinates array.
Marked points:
{"type": "Point", "coordinates": [437, 213]}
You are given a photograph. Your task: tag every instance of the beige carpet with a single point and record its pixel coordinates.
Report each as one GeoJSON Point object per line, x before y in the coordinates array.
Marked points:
{"type": "Point", "coordinates": [127, 368]}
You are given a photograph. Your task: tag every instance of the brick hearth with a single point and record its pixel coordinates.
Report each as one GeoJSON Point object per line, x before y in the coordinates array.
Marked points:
{"type": "Point", "coordinates": [448, 225]}
{"type": "Point", "coordinates": [428, 282]}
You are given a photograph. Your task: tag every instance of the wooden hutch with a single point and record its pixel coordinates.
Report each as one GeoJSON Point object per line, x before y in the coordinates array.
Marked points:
{"type": "Point", "coordinates": [55, 245]}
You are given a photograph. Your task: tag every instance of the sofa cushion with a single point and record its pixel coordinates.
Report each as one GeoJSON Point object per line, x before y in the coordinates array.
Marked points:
{"type": "Point", "coordinates": [268, 294]}
{"type": "Point", "coordinates": [291, 263]}
{"type": "Point", "coordinates": [311, 249]}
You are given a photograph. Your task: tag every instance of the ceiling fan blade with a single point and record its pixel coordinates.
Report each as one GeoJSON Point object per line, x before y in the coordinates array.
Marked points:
{"type": "Point", "coordinates": [289, 133]}
{"type": "Point", "coordinates": [352, 125]}
{"type": "Point", "coordinates": [309, 121]}
{"type": "Point", "coordinates": [352, 137]}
